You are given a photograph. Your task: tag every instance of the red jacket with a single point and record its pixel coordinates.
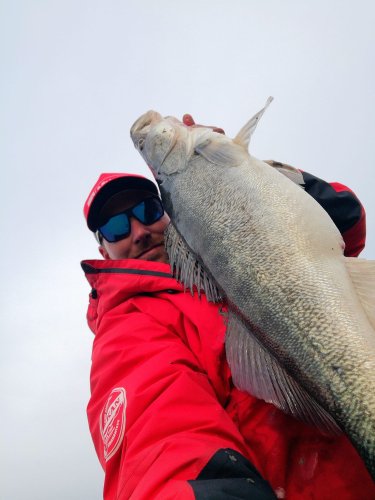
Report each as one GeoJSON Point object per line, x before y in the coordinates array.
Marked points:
{"type": "Point", "coordinates": [167, 422]}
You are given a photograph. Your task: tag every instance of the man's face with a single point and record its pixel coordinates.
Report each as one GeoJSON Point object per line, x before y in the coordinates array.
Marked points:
{"type": "Point", "coordinates": [143, 242]}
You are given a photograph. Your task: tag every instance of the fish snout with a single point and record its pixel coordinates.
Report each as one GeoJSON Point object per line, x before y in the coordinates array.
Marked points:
{"type": "Point", "coordinates": [142, 127]}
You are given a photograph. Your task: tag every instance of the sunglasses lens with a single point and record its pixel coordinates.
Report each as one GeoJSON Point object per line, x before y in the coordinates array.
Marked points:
{"type": "Point", "coordinates": [149, 211]}
{"type": "Point", "coordinates": [117, 228]}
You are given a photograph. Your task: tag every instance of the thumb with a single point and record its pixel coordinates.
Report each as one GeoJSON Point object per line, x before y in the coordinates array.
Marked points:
{"type": "Point", "coordinates": [188, 120]}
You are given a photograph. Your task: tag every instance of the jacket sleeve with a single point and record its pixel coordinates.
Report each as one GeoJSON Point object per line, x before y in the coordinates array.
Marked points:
{"type": "Point", "coordinates": [157, 426]}
{"type": "Point", "coordinates": [344, 208]}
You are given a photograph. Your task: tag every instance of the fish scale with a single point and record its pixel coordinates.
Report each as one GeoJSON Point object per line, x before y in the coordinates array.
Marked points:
{"type": "Point", "coordinates": [301, 324]}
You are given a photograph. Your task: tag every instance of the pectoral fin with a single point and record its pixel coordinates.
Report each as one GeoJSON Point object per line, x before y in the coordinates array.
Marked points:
{"type": "Point", "coordinates": [222, 151]}
{"type": "Point", "coordinates": [362, 272]}
{"type": "Point", "coordinates": [258, 373]}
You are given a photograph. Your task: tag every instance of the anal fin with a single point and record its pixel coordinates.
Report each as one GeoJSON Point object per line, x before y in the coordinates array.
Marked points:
{"type": "Point", "coordinates": [259, 374]}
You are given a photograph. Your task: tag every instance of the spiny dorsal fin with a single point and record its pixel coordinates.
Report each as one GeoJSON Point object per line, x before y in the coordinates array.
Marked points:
{"type": "Point", "coordinates": [258, 373]}
{"type": "Point", "coordinates": [186, 267]}
{"type": "Point", "coordinates": [244, 135]}
{"type": "Point", "coordinates": [362, 272]}
{"type": "Point", "coordinates": [292, 173]}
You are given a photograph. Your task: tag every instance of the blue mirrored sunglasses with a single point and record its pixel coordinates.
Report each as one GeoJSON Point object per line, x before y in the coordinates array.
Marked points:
{"type": "Point", "coordinates": [118, 227]}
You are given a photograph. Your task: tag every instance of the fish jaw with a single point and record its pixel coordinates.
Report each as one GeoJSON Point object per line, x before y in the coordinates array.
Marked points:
{"type": "Point", "coordinates": [154, 137]}
{"type": "Point", "coordinates": [140, 132]}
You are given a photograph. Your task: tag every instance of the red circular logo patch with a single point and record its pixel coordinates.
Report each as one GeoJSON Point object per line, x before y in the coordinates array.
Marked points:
{"type": "Point", "coordinates": [112, 422]}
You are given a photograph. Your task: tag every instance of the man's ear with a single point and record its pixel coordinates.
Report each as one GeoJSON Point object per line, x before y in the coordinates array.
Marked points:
{"type": "Point", "coordinates": [104, 253]}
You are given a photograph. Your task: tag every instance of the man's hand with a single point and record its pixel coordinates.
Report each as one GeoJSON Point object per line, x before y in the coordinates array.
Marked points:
{"type": "Point", "coordinates": [188, 120]}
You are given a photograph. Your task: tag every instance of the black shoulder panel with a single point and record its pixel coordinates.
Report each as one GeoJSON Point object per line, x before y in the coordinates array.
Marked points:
{"type": "Point", "coordinates": [87, 269]}
{"type": "Point", "coordinates": [343, 207]}
{"type": "Point", "coordinates": [230, 476]}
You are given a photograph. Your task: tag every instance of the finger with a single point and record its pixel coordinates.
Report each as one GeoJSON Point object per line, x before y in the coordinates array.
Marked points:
{"type": "Point", "coordinates": [188, 120]}
{"type": "Point", "coordinates": [218, 130]}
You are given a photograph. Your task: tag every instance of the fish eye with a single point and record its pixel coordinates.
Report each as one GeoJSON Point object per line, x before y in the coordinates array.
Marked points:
{"type": "Point", "coordinates": [141, 143]}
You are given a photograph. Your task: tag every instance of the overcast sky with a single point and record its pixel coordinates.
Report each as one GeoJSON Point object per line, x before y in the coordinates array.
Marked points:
{"type": "Point", "coordinates": [75, 75]}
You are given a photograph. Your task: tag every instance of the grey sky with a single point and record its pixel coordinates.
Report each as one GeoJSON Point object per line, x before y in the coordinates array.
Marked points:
{"type": "Point", "coordinates": [74, 77]}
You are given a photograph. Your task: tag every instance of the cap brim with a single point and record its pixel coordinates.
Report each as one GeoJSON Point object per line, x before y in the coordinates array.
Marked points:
{"type": "Point", "coordinates": [110, 189]}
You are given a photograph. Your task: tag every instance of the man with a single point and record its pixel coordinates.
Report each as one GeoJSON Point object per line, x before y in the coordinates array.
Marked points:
{"type": "Point", "coordinates": [165, 419]}
{"type": "Point", "coordinates": [144, 242]}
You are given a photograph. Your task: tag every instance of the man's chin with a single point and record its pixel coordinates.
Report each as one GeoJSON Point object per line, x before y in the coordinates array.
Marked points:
{"type": "Point", "coordinates": [157, 254]}
{"type": "Point", "coordinates": [163, 259]}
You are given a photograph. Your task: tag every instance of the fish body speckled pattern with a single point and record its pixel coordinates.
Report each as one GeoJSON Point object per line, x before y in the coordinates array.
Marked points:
{"type": "Point", "coordinates": [302, 316]}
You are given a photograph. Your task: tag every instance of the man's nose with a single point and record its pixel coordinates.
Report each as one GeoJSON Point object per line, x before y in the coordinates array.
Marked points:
{"type": "Point", "coordinates": [139, 232]}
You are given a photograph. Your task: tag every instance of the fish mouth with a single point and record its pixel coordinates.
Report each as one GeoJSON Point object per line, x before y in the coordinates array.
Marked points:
{"type": "Point", "coordinates": [145, 123]}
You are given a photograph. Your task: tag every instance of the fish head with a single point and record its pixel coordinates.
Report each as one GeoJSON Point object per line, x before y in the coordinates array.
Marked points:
{"type": "Point", "coordinates": [166, 144]}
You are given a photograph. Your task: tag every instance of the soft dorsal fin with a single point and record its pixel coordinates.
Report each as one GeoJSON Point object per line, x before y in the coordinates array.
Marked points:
{"type": "Point", "coordinates": [362, 272]}
{"type": "Point", "coordinates": [258, 373]}
{"type": "Point", "coordinates": [292, 173]}
{"type": "Point", "coordinates": [244, 135]}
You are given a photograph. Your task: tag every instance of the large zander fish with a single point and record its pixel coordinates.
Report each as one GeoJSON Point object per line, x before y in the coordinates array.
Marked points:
{"type": "Point", "coordinates": [301, 315]}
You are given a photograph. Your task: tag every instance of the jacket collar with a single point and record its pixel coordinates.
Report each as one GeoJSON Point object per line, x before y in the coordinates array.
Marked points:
{"type": "Point", "coordinates": [115, 281]}
{"type": "Point", "coordinates": [125, 278]}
